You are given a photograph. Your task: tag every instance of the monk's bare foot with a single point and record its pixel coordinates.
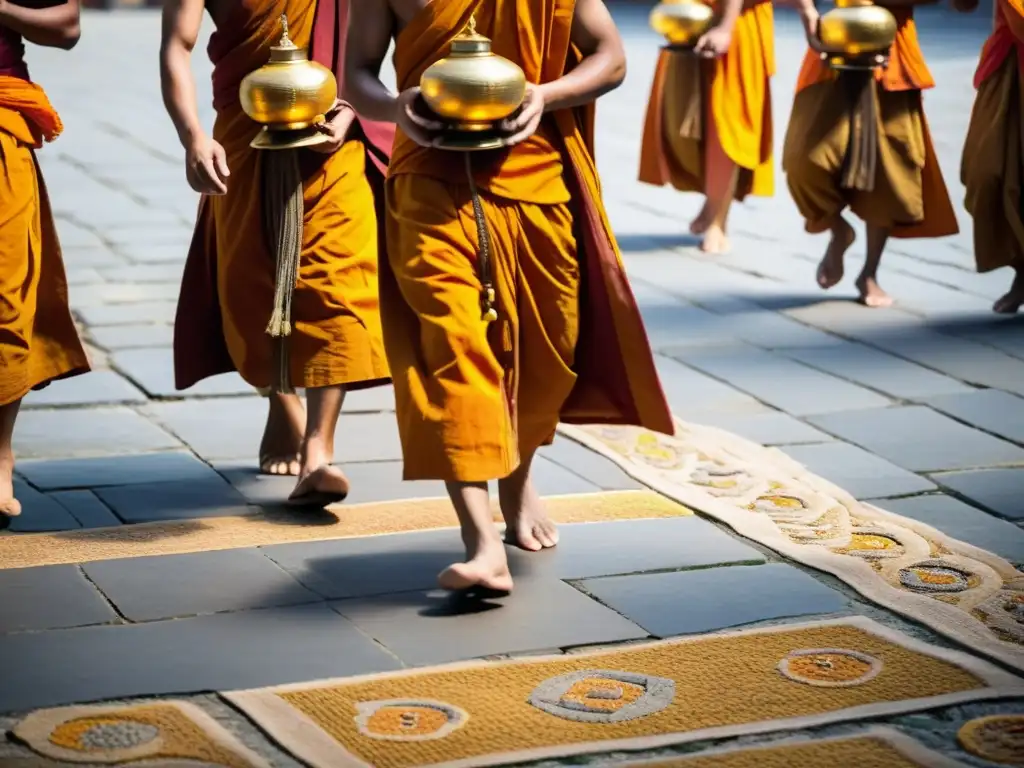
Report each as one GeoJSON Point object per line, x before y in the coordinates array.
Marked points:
{"type": "Point", "coordinates": [1011, 302]}
{"type": "Point", "coordinates": [830, 270]}
{"type": "Point", "coordinates": [282, 437]}
{"type": "Point", "coordinates": [10, 507]}
{"type": "Point", "coordinates": [486, 567]}
{"type": "Point", "coordinates": [715, 240]}
{"type": "Point", "coordinates": [527, 524]}
{"type": "Point", "coordinates": [700, 224]}
{"type": "Point", "coordinates": [320, 487]}
{"type": "Point", "coordinates": [871, 293]}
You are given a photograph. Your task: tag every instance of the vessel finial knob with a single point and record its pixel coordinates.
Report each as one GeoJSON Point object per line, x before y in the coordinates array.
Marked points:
{"type": "Point", "coordinates": [286, 41]}
{"type": "Point", "coordinates": [471, 26]}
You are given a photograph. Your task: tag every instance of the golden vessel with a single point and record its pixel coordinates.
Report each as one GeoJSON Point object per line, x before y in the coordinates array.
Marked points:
{"type": "Point", "coordinates": [682, 22]}
{"type": "Point", "coordinates": [856, 28]}
{"type": "Point", "coordinates": [288, 96]}
{"type": "Point", "coordinates": [471, 90]}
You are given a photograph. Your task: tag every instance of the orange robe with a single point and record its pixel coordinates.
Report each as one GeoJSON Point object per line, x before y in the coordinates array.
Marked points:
{"type": "Point", "coordinates": [992, 169]}
{"type": "Point", "coordinates": [473, 397]}
{"type": "Point", "coordinates": [228, 286]}
{"type": "Point", "coordinates": [735, 93]}
{"type": "Point", "coordinates": [38, 339]}
{"type": "Point", "coordinates": [909, 196]}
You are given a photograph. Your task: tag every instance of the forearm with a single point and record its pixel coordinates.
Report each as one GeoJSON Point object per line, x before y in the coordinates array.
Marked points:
{"type": "Point", "coordinates": [599, 73]}
{"type": "Point", "coordinates": [55, 27]}
{"type": "Point", "coordinates": [731, 10]}
{"type": "Point", "coordinates": [369, 97]}
{"type": "Point", "coordinates": [179, 94]}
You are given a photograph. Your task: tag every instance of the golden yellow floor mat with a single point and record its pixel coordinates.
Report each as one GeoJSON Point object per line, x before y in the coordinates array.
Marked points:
{"type": "Point", "coordinates": [632, 697]}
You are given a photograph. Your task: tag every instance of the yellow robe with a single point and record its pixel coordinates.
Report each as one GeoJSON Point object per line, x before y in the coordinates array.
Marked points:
{"type": "Point", "coordinates": [473, 398]}
{"type": "Point", "coordinates": [228, 287]}
{"type": "Point", "coordinates": [734, 93]}
{"type": "Point", "coordinates": [909, 195]}
{"type": "Point", "coordinates": [38, 340]}
{"type": "Point", "coordinates": [992, 169]}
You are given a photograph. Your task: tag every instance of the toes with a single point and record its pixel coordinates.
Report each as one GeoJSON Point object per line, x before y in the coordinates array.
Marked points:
{"type": "Point", "coordinates": [528, 541]}
{"type": "Point", "coordinates": [547, 535]}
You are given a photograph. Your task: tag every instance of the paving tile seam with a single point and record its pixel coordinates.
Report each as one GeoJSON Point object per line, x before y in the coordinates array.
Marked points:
{"type": "Point", "coordinates": [976, 427]}
{"type": "Point", "coordinates": [959, 496]}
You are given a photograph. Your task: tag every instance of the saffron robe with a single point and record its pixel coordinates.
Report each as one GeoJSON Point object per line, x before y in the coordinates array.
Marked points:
{"type": "Point", "coordinates": [569, 344]}
{"type": "Point", "coordinates": [735, 95]}
{"type": "Point", "coordinates": [992, 169]}
{"type": "Point", "coordinates": [228, 284]}
{"type": "Point", "coordinates": [910, 196]}
{"type": "Point", "coordinates": [38, 339]}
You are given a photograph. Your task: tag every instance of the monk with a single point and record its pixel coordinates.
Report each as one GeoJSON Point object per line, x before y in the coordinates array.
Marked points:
{"type": "Point", "coordinates": [992, 170]}
{"type": "Point", "coordinates": [905, 196]}
{"type": "Point", "coordinates": [38, 340]}
{"type": "Point", "coordinates": [709, 118]}
{"type": "Point", "coordinates": [232, 308]}
{"type": "Point", "coordinates": [503, 298]}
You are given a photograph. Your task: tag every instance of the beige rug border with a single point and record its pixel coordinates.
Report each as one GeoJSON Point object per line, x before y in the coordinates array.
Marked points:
{"type": "Point", "coordinates": [214, 534]}
{"type": "Point", "coordinates": [302, 737]}
{"type": "Point", "coordinates": [906, 745]}
{"type": "Point", "coordinates": [944, 619]}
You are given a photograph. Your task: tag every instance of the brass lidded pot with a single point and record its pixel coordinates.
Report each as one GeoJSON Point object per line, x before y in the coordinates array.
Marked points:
{"type": "Point", "coordinates": [288, 96]}
{"type": "Point", "coordinates": [682, 22]}
{"type": "Point", "coordinates": [856, 28]}
{"type": "Point", "coordinates": [473, 88]}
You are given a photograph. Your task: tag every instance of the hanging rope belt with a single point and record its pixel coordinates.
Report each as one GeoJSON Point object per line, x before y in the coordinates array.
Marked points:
{"type": "Point", "coordinates": [487, 297]}
{"type": "Point", "coordinates": [282, 224]}
{"type": "Point", "coordinates": [862, 151]}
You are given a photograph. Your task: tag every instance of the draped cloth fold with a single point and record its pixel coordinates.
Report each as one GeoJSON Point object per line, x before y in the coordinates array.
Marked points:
{"type": "Point", "coordinates": [227, 294]}
{"type": "Point", "coordinates": [473, 397]}
{"type": "Point", "coordinates": [908, 194]}
{"type": "Point", "coordinates": [734, 91]}
{"type": "Point", "coordinates": [38, 339]}
{"type": "Point", "coordinates": [992, 166]}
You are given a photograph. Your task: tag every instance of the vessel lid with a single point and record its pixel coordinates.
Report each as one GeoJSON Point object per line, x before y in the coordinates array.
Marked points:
{"type": "Point", "coordinates": [853, 3]}
{"type": "Point", "coordinates": [286, 50]}
{"type": "Point", "coordinates": [468, 41]}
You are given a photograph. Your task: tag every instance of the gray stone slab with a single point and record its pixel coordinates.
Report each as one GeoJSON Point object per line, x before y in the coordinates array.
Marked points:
{"type": "Point", "coordinates": [878, 370]}
{"type": "Point", "coordinates": [149, 502]}
{"type": "Point", "coordinates": [40, 513]}
{"type": "Point", "coordinates": [858, 472]}
{"type": "Point", "coordinates": [591, 466]}
{"type": "Point", "coordinates": [86, 508]}
{"type": "Point", "coordinates": [146, 273]}
{"type": "Point", "coordinates": [116, 293]}
{"type": "Point", "coordinates": [964, 522]}
{"type": "Point", "coordinates": [68, 433]}
{"type": "Point", "coordinates": [173, 586]}
{"type": "Point", "coordinates": [94, 388]}
{"type": "Point", "coordinates": [153, 370]}
{"type": "Point", "coordinates": [176, 466]}
{"type": "Point", "coordinates": [919, 439]}
{"type": "Point", "coordinates": [778, 381]}
{"type": "Point", "coordinates": [373, 400]}
{"type": "Point", "coordinates": [221, 428]}
{"type": "Point", "coordinates": [992, 410]}
{"type": "Point", "coordinates": [91, 256]}
{"type": "Point", "coordinates": [132, 336]}
{"type": "Point", "coordinates": [129, 314]}
{"type": "Point", "coordinates": [223, 652]}
{"type": "Point", "coordinates": [49, 597]}
{"type": "Point", "coordinates": [551, 479]}
{"type": "Point", "coordinates": [996, 489]}
{"type": "Point", "coordinates": [690, 602]}
{"type": "Point", "coordinates": [367, 437]}
{"type": "Point", "coordinates": [431, 628]}
{"type": "Point", "coordinates": [155, 253]}
{"type": "Point", "coordinates": [689, 391]}
{"type": "Point", "coordinates": [768, 428]}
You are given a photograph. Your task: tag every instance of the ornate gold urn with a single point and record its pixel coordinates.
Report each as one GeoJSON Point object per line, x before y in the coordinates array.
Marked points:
{"type": "Point", "coordinates": [856, 29]}
{"type": "Point", "coordinates": [682, 22]}
{"type": "Point", "coordinates": [288, 96]}
{"type": "Point", "coordinates": [471, 90]}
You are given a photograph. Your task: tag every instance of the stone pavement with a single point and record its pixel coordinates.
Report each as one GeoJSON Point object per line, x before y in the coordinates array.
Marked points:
{"type": "Point", "coordinates": [919, 408]}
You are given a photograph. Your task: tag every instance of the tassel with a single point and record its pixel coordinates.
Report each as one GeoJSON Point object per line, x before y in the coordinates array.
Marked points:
{"type": "Point", "coordinates": [861, 160]}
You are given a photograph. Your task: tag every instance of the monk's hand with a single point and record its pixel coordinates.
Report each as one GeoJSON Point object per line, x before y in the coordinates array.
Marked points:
{"type": "Point", "coordinates": [206, 167]}
{"type": "Point", "coordinates": [413, 120]}
{"type": "Point", "coordinates": [524, 122]}
{"type": "Point", "coordinates": [714, 43]}
{"type": "Point", "coordinates": [809, 18]}
{"type": "Point", "coordinates": [335, 127]}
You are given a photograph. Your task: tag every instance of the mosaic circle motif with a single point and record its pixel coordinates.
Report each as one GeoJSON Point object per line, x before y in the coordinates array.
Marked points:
{"type": "Point", "coordinates": [657, 453]}
{"type": "Point", "coordinates": [997, 738]}
{"type": "Point", "coordinates": [830, 667]}
{"type": "Point", "coordinates": [778, 502]}
{"type": "Point", "coordinates": [408, 719]}
{"type": "Point", "coordinates": [874, 546]}
{"type": "Point", "coordinates": [935, 577]}
{"type": "Point", "coordinates": [603, 696]}
{"type": "Point", "coordinates": [104, 734]}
